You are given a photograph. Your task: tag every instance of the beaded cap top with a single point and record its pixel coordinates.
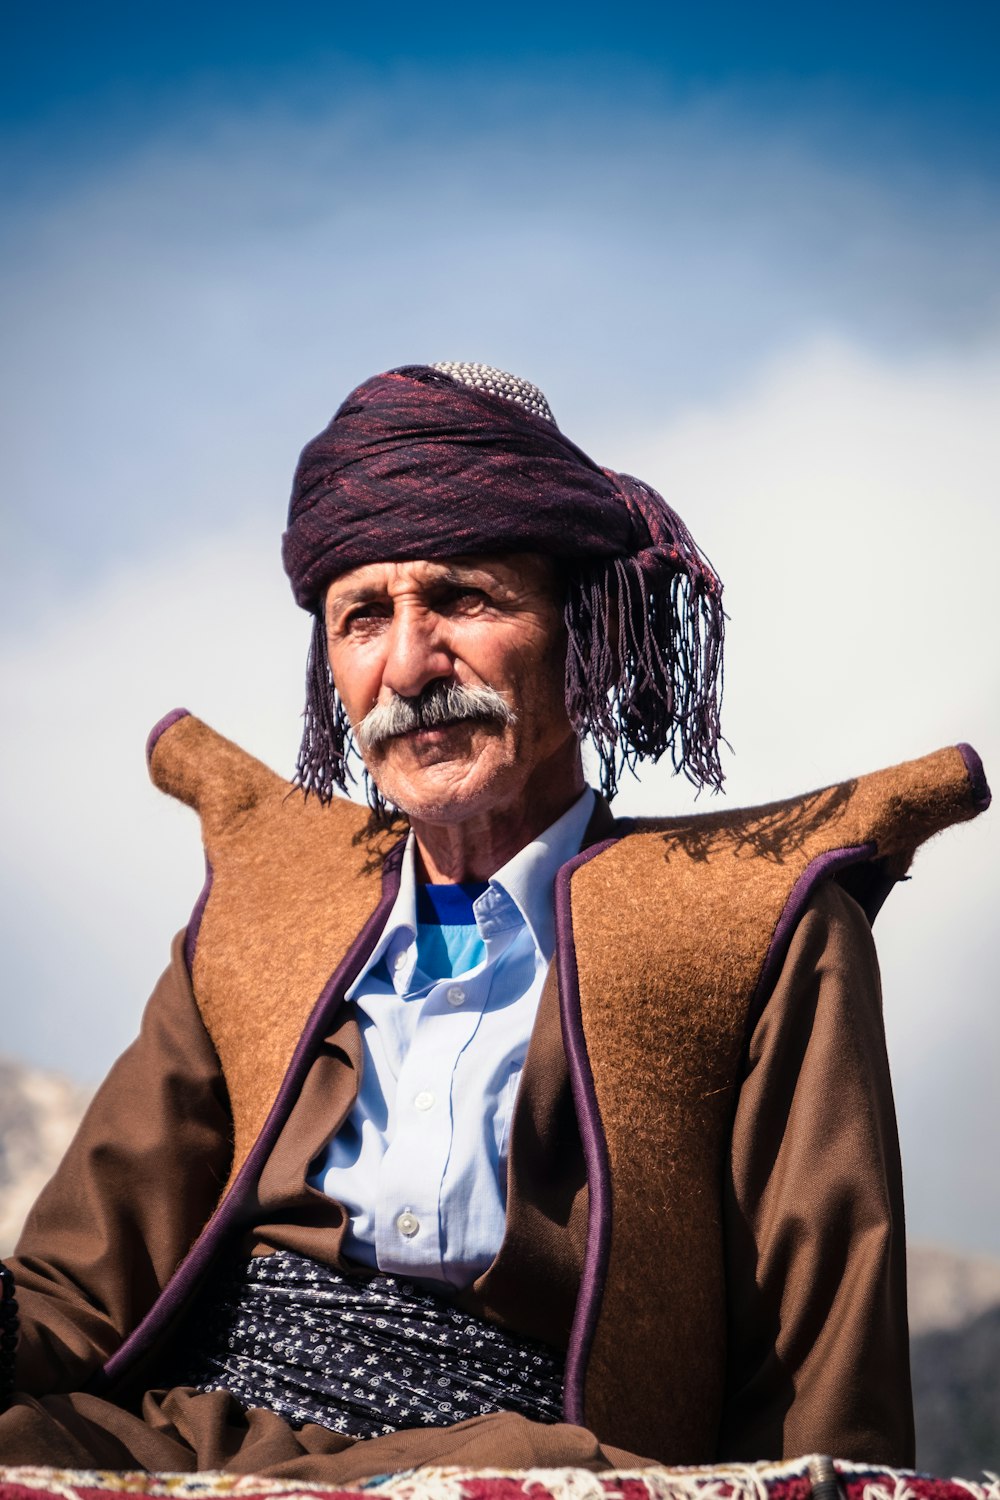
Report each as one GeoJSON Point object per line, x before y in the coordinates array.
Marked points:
{"type": "Point", "coordinates": [498, 383]}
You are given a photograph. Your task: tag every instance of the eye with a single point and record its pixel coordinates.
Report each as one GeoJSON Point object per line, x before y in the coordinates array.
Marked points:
{"type": "Point", "coordinates": [458, 597]}
{"type": "Point", "coordinates": [362, 617]}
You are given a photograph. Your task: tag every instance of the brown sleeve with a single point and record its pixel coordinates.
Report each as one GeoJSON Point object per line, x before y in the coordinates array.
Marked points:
{"type": "Point", "coordinates": [818, 1348]}
{"type": "Point", "coordinates": [135, 1187]}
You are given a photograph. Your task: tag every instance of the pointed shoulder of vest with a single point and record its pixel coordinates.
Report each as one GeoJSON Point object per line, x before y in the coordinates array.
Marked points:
{"type": "Point", "coordinates": [295, 896]}
{"type": "Point", "coordinates": [678, 931]}
{"type": "Point", "coordinates": [224, 784]}
{"type": "Point", "coordinates": [884, 815]}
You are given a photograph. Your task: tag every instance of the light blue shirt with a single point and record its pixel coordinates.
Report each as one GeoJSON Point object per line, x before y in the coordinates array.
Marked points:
{"type": "Point", "coordinates": [420, 1163]}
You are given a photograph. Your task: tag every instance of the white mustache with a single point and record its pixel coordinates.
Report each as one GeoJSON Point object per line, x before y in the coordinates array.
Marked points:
{"type": "Point", "coordinates": [440, 703]}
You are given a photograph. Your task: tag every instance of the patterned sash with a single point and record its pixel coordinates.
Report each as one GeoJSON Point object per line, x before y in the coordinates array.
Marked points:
{"type": "Point", "coordinates": [363, 1355]}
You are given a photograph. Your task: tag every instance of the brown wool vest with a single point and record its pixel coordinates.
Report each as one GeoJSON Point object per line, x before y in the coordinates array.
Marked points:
{"type": "Point", "coordinates": [670, 939]}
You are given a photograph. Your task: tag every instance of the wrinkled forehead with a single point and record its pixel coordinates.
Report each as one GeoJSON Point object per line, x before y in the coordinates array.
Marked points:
{"type": "Point", "coordinates": [508, 572]}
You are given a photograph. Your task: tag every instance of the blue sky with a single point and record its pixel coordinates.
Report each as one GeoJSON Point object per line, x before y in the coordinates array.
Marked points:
{"type": "Point", "coordinates": [933, 60]}
{"type": "Point", "coordinates": [819, 169]}
{"type": "Point", "coordinates": [79, 82]}
{"type": "Point", "coordinates": [750, 253]}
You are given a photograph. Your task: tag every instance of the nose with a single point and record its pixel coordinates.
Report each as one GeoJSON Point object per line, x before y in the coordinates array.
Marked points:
{"type": "Point", "coordinates": [416, 652]}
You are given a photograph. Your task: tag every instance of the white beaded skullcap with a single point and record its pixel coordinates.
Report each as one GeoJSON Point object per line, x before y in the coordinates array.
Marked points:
{"type": "Point", "coordinates": [498, 383]}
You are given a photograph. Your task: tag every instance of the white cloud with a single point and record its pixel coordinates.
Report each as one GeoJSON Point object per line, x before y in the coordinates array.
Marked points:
{"type": "Point", "coordinates": [100, 870]}
{"type": "Point", "coordinates": [849, 503]}
{"type": "Point", "coordinates": [179, 317]}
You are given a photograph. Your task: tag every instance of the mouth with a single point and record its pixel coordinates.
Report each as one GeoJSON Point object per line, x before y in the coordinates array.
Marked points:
{"type": "Point", "coordinates": [436, 733]}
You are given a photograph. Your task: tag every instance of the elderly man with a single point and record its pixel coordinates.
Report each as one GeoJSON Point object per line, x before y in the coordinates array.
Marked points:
{"type": "Point", "coordinates": [476, 1127]}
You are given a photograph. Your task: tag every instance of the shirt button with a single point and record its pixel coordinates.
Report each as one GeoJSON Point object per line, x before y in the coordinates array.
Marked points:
{"type": "Point", "coordinates": [399, 962]}
{"type": "Point", "coordinates": [455, 995]}
{"type": "Point", "coordinates": [408, 1224]}
{"type": "Point", "coordinates": [424, 1100]}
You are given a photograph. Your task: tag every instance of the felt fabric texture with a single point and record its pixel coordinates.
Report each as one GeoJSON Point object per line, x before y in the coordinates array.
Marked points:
{"type": "Point", "coordinates": [664, 1080]}
{"type": "Point", "coordinates": [664, 1005]}
{"type": "Point", "coordinates": [817, 1348]}
{"type": "Point", "coordinates": [280, 864]}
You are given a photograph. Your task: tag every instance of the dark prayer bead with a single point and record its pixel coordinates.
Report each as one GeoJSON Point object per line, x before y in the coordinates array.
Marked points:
{"type": "Point", "coordinates": [9, 1326]}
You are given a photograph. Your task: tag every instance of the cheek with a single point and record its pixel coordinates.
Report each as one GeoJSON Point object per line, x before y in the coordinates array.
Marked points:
{"type": "Point", "coordinates": [356, 676]}
{"type": "Point", "coordinates": [541, 688]}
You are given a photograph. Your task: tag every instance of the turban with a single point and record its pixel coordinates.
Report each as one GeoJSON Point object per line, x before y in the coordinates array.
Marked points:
{"type": "Point", "coordinates": [444, 461]}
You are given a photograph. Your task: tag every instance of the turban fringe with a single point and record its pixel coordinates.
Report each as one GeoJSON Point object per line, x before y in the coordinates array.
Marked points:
{"type": "Point", "coordinates": [417, 465]}
{"type": "Point", "coordinates": [644, 666]}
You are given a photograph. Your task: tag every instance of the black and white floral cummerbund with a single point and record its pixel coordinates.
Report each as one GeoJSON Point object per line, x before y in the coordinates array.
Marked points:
{"type": "Point", "coordinates": [363, 1354]}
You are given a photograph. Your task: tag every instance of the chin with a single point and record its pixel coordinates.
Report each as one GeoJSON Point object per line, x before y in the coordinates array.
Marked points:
{"type": "Point", "coordinates": [448, 792]}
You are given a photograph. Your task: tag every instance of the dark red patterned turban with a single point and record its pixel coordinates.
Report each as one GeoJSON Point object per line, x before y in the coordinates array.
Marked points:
{"type": "Point", "coordinates": [418, 464]}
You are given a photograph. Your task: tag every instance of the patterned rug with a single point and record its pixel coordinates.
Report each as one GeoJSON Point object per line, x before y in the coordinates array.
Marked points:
{"type": "Point", "coordinates": [800, 1479]}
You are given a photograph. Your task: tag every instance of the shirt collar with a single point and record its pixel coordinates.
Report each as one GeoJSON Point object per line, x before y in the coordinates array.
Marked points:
{"type": "Point", "coordinates": [528, 880]}
{"type": "Point", "coordinates": [520, 893]}
{"type": "Point", "coordinates": [400, 930]}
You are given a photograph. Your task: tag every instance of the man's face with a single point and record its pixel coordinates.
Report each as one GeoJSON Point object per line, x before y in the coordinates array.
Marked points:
{"type": "Point", "coordinates": [398, 628]}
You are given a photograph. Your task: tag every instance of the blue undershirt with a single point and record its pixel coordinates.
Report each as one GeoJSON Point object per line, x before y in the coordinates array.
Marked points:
{"type": "Point", "coordinates": [448, 941]}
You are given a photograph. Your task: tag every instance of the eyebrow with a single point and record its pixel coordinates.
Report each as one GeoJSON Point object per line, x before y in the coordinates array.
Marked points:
{"type": "Point", "coordinates": [364, 593]}
{"type": "Point", "coordinates": [352, 596]}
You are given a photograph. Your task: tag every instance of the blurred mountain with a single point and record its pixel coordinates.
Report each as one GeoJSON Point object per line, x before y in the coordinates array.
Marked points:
{"type": "Point", "coordinates": [954, 1298]}
{"type": "Point", "coordinates": [39, 1112]}
{"type": "Point", "coordinates": [948, 1289]}
{"type": "Point", "coordinates": [956, 1396]}
{"type": "Point", "coordinates": [955, 1354]}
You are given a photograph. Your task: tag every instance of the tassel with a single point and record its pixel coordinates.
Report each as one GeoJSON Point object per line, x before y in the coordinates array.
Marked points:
{"type": "Point", "coordinates": [324, 761]}
{"type": "Point", "coordinates": [644, 663]}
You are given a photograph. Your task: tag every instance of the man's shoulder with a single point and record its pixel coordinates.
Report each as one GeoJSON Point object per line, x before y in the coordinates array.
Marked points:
{"type": "Point", "coordinates": [233, 792]}
{"type": "Point", "coordinates": [882, 815]}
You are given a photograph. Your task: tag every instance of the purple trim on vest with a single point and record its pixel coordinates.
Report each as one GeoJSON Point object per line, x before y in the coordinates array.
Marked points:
{"type": "Point", "coordinates": [823, 867]}
{"type": "Point", "coordinates": [194, 923]}
{"type": "Point", "coordinates": [979, 786]}
{"type": "Point", "coordinates": [595, 1261]}
{"type": "Point", "coordinates": [199, 1257]}
{"type": "Point", "coordinates": [161, 727]}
